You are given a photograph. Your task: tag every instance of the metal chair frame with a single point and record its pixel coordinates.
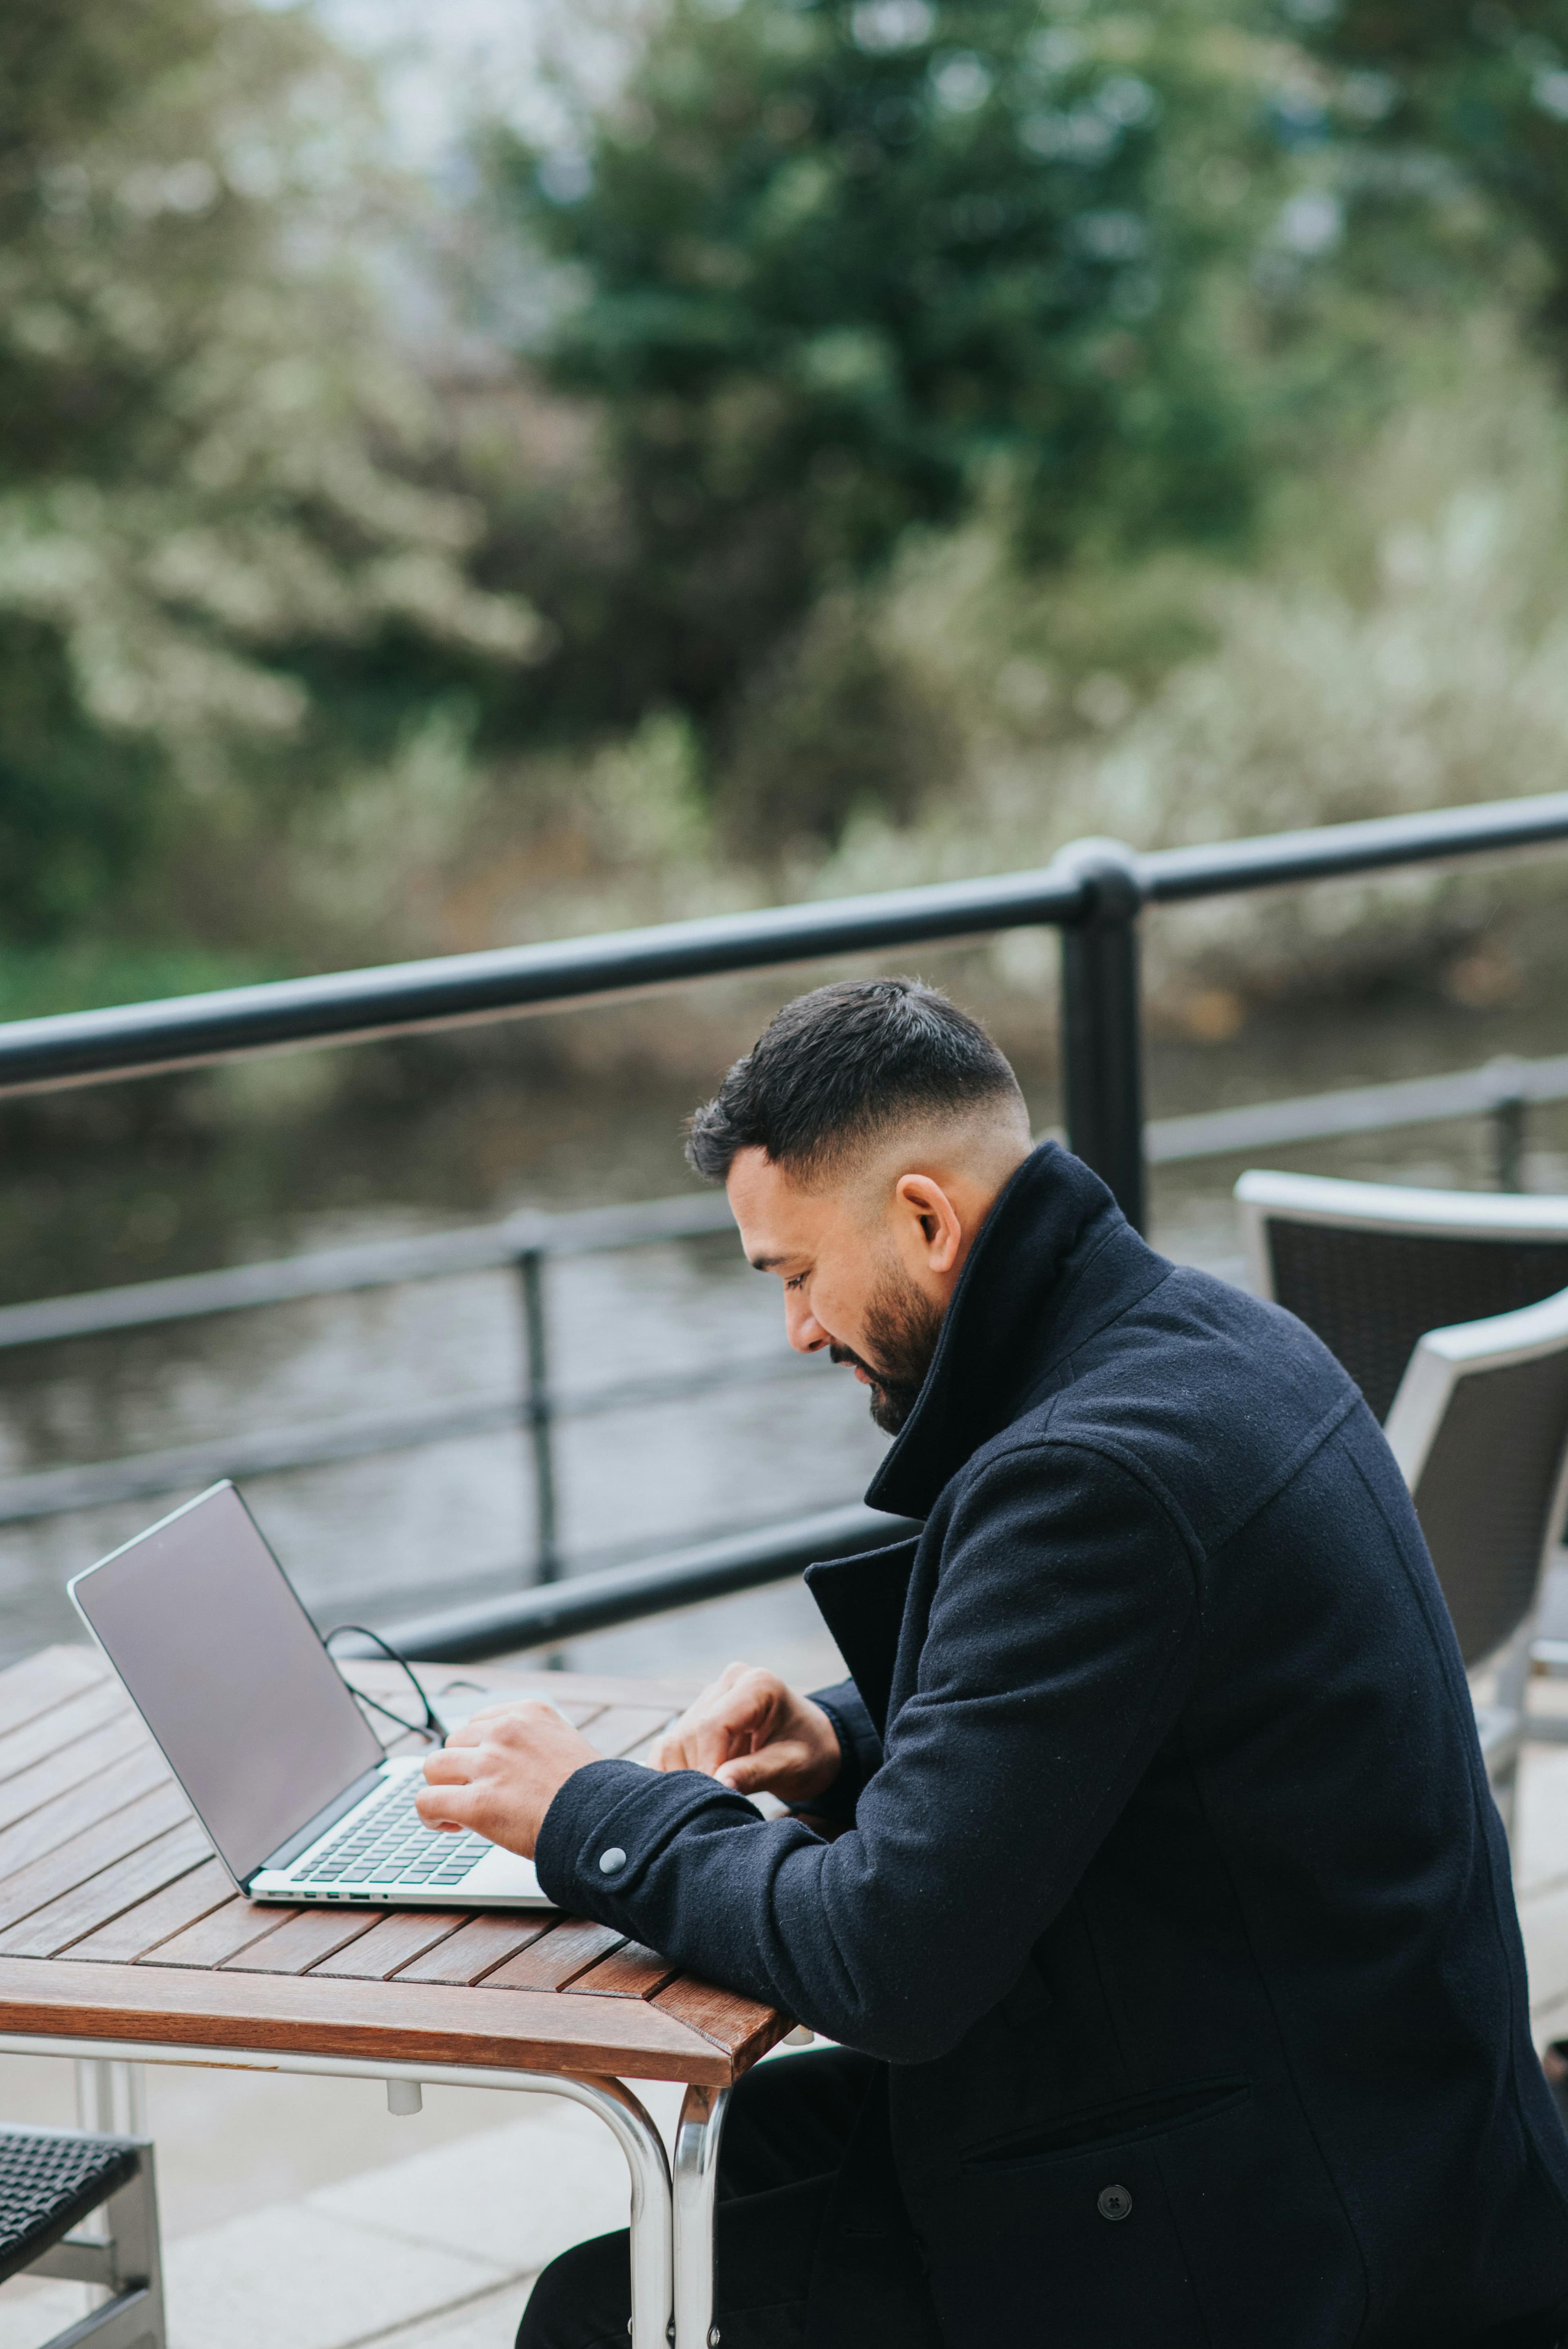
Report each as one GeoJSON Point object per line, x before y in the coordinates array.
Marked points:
{"type": "Point", "coordinates": [1397, 1246]}
{"type": "Point", "coordinates": [1390, 1207]}
{"type": "Point", "coordinates": [1442, 1359]}
{"type": "Point", "coordinates": [1401, 1215]}
{"type": "Point", "coordinates": [126, 2260]}
{"type": "Point", "coordinates": [1440, 1356]}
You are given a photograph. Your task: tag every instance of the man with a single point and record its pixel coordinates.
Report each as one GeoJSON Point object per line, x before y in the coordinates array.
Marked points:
{"type": "Point", "coordinates": [1150, 1879]}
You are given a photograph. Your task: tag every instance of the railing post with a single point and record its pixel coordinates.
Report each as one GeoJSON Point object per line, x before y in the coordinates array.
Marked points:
{"type": "Point", "coordinates": [538, 1412]}
{"type": "Point", "coordinates": [1102, 1022]}
{"type": "Point", "coordinates": [1505, 1081]}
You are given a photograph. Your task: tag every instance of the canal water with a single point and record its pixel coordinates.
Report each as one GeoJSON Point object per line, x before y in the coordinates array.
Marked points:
{"type": "Point", "coordinates": [139, 1182]}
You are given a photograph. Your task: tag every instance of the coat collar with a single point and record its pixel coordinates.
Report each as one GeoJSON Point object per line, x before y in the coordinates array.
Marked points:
{"type": "Point", "coordinates": [1055, 1260]}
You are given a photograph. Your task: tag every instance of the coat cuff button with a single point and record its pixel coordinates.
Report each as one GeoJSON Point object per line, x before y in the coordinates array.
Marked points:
{"type": "Point", "coordinates": [612, 1861]}
{"type": "Point", "coordinates": [1114, 2202]}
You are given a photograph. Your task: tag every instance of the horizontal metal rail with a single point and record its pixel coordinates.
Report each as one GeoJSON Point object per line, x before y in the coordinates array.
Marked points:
{"type": "Point", "coordinates": [1356, 1109]}
{"type": "Point", "coordinates": [185, 1031]}
{"type": "Point", "coordinates": [1339, 852]}
{"type": "Point", "coordinates": [186, 1467]}
{"type": "Point", "coordinates": [486, 1247]}
{"type": "Point", "coordinates": [594, 1603]}
{"type": "Point", "coordinates": [57, 1492]}
{"type": "Point", "coordinates": [374, 1264]}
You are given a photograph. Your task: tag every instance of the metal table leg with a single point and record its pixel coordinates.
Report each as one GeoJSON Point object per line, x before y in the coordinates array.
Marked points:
{"type": "Point", "coordinates": [697, 2134]}
{"type": "Point", "coordinates": [651, 2246]}
{"type": "Point", "coordinates": [111, 2098]}
{"type": "Point", "coordinates": [103, 2073]}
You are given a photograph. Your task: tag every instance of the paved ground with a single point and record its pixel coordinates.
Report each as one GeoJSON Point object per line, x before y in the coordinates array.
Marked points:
{"type": "Point", "coordinates": [300, 2215]}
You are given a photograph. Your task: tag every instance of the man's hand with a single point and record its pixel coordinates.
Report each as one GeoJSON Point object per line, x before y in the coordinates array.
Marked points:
{"type": "Point", "coordinates": [752, 1732]}
{"type": "Point", "coordinates": [500, 1773]}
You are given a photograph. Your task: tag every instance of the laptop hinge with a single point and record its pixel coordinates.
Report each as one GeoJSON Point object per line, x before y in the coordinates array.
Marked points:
{"type": "Point", "coordinates": [303, 1837]}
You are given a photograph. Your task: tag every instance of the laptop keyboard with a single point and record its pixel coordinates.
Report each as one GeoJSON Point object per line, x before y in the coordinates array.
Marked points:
{"type": "Point", "coordinates": [390, 1844]}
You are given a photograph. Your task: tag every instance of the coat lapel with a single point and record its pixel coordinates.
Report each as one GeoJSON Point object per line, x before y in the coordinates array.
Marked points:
{"type": "Point", "coordinates": [862, 1602]}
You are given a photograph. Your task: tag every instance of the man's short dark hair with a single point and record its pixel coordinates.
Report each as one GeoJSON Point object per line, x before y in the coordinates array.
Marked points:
{"type": "Point", "coordinates": [836, 1067]}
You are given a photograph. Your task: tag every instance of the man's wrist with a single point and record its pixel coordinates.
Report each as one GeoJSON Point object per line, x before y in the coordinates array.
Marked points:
{"type": "Point", "coordinates": [828, 1741]}
{"type": "Point", "coordinates": [620, 1811]}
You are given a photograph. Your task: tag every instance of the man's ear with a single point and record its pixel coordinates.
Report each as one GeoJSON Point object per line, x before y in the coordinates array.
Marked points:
{"type": "Point", "coordinates": [938, 1228]}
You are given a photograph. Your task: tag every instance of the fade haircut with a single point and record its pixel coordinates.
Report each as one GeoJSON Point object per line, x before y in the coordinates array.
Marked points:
{"type": "Point", "coordinates": [839, 1067]}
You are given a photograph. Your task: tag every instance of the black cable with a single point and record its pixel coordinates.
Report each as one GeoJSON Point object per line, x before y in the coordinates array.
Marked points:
{"type": "Point", "coordinates": [432, 1725]}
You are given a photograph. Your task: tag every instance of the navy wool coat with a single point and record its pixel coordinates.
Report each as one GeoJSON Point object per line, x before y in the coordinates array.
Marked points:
{"type": "Point", "coordinates": [1172, 1891]}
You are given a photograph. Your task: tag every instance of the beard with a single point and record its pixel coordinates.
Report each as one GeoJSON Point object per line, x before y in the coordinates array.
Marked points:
{"type": "Point", "coordinates": [902, 1326]}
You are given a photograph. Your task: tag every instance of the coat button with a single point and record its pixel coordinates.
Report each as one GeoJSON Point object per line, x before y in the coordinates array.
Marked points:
{"type": "Point", "coordinates": [612, 1861]}
{"type": "Point", "coordinates": [1114, 2202]}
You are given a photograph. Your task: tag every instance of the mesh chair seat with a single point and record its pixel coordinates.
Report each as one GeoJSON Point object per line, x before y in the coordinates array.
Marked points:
{"type": "Point", "coordinates": [1371, 1267]}
{"type": "Point", "coordinates": [50, 2182]}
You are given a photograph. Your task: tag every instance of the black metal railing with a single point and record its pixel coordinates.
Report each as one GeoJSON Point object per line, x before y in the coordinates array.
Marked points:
{"type": "Point", "coordinates": [1093, 893]}
{"type": "Point", "coordinates": [526, 1245]}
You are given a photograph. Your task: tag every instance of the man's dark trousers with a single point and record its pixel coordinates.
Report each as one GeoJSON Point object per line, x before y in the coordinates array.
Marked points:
{"type": "Point", "coordinates": [1171, 1892]}
{"type": "Point", "coordinates": [790, 2125]}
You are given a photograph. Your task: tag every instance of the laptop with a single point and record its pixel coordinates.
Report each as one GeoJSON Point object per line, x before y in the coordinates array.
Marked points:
{"type": "Point", "coordinates": [260, 1730]}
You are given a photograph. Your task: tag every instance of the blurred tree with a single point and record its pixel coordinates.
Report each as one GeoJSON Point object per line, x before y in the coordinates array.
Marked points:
{"type": "Point", "coordinates": [1470, 90]}
{"type": "Point", "coordinates": [836, 263]}
{"type": "Point", "coordinates": [210, 462]}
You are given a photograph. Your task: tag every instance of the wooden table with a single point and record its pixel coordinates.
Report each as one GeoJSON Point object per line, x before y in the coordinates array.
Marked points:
{"type": "Point", "coordinates": [123, 1939]}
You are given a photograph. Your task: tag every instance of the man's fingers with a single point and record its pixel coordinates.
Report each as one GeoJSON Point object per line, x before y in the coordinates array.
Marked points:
{"type": "Point", "coordinates": [447, 1807]}
{"type": "Point", "coordinates": [446, 1768]}
{"type": "Point", "coordinates": [759, 1773]}
{"type": "Point", "coordinates": [728, 1718]}
{"type": "Point", "coordinates": [704, 1744]}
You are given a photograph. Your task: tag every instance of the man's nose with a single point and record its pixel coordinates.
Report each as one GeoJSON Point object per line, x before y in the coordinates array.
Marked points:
{"type": "Point", "coordinates": [802, 1327]}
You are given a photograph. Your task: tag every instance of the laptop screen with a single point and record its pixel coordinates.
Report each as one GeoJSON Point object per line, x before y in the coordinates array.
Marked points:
{"type": "Point", "coordinates": [229, 1673]}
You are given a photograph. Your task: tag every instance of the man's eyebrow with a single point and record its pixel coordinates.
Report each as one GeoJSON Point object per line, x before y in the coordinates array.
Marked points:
{"type": "Point", "coordinates": [767, 1263]}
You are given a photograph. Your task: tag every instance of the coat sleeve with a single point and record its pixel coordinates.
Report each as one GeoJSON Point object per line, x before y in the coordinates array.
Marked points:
{"type": "Point", "coordinates": [859, 1745]}
{"type": "Point", "coordinates": [1061, 1644]}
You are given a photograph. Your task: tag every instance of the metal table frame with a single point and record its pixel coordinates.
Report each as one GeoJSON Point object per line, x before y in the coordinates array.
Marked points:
{"type": "Point", "coordinates": [671, 2221]}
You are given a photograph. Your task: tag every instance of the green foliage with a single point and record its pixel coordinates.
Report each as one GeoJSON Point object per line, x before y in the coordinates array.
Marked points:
{"type": "Point", "coordinates": [837, 264]}
{"type": "Point", "coordinates": [209, 462]}
{"type": "Point", "coordinates": [1479, 92]}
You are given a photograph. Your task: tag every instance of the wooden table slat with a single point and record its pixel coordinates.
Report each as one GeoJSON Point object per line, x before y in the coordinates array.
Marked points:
{"type": "Point", "coordinates": [555, 1960]}
{"type": "Point", "coordinates": [631, 1972]}
{"type": "Point", "coordinates": [60, 1817]}
{"type": "Point", "coordinates": [401, 2022]}
{"type": "Point", "coordinates": [39, 1682]}
{"type": "Point", "coordinates": [73, 1862]}
{"type": "Point", "coordinates": [477, 1948]}
{"type": "Point", "coordinates": [86, 1907]}
{"type": "Point", "coordinates": [622, 1727]}
{"type": "Point", "coordinates": [579, 1715]}
{"type": "Point", "coordinates": [215, 1938]}
{"type": "Point", "coordinates": [309, 1934]}
{"type": "Point", "coordinates": [579, 1712]}
{"type": "Point", "coordinates": [739, 2025]}
{"type": "Point", "coordinates": [62, 1726]}
{"type": "Point", "coordinates": [160, 1917]}
{"type": "Point", "coordinates": [393, 1942]}
{"type": "Point", "coordinates": [114, 1742]}
{"type": "Point", "coordinates": [503, 1680]}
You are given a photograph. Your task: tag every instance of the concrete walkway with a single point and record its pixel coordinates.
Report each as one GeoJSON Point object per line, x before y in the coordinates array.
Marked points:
{"type": "Point", "coordinates": [435, 2247]}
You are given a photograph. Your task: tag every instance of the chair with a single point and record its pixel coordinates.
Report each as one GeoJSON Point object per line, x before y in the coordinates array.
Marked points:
{"type": "Point", "coordinates": [50, 2180]}
{"type": "Point", "coordinates": [1371, 1266]}
{"type": "Point", "coordinates": [1479, 1429]}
